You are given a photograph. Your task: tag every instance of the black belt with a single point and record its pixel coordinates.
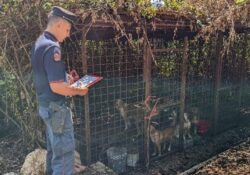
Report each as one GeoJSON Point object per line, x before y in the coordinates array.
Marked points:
{"type": "Point", "coordinates": [65, 102]}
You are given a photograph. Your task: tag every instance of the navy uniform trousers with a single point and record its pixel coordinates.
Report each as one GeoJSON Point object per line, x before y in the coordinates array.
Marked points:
{"type": "Point", "coordinates": [60, 146]}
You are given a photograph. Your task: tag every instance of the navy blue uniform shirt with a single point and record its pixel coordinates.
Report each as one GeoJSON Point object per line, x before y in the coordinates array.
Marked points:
{"type": "Point", "coordinates": [47, 67]}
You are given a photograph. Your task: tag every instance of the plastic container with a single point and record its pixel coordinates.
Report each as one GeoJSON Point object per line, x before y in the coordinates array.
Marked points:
{"type": "Point", "coordinates": [132, 159]}
{"type": "Point", "coordinates": [117, 159]}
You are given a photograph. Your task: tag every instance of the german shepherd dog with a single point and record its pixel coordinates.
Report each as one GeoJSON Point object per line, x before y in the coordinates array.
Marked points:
{"type": "Point", "coordinates": [129, 114]}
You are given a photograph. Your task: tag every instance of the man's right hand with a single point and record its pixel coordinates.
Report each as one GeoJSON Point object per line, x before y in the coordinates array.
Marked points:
{"type": "Point", "coordinates": [83, 91]}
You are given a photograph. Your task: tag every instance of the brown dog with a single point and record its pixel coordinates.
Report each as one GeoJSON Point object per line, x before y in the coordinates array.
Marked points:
{"type": "Point", "coordinates": [129, 114]}
{"type": "Point", "coordinates": [160, 137]}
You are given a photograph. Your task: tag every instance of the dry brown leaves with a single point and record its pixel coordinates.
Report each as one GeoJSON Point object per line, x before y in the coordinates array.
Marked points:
{"type": "Point", "coordinates": [233, 161]}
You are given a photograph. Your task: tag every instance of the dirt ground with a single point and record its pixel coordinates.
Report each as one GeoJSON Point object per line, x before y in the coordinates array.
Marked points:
{"type": "Point", "coordinates": [12, 148]}
{"type": "Point", "coordinates": [13, 151]}
{"type": "Point", "coordinates": [176, 163]}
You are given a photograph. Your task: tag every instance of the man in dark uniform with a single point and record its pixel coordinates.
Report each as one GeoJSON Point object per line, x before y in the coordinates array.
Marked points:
{"type": "Point", "coordinates": [52, 87]}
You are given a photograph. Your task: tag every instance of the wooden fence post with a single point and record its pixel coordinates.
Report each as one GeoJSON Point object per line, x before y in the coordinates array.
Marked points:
{"type": "Point", "coordinates": [147, 70]}
{"type": "Point", "coordinates": [86, 100]}
{"type": "Point", "coordinates": [243, 70]}
{"type": "Point", "coordinates": [217, 81]}
{"type": "Point", "coordinates": [183, 91]}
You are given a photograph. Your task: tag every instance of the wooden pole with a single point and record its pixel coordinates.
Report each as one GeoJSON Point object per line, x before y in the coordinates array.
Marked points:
{"type": "Point", "coordinates": [86, 101]}
{"type": "Point", "coordinates": [183, 92]}
{"type": "Point", "coordinates": [147, 66]}
{"type": "Point", "coordinates": [217, 81]}
{"type": "Point", "coordinates": [243, 70]}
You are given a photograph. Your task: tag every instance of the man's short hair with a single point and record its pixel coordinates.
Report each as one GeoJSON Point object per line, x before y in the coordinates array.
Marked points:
{"type": "Point", "coordinates": [54, 19]}
{"type": "Point", "coordinates": [63, 13]}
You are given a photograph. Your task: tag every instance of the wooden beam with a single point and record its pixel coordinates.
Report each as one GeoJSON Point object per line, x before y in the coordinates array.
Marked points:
{"type": "Point", "coordinates": [86, 101]}
{"type": "Point", "coordinates": [168, 50]}
{"type": "Point", "coordinates": [147, 66]}
{"type": "Point", "coordinates": [183, 91]}
{"type": "Point", "coordinates": [219, 47]}
{"type": "Point", "coordinates": [243, 70]}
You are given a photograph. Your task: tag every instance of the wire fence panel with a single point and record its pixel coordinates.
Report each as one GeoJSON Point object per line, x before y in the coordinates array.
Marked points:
{"type": "Point", "coordinates": [118, 106]}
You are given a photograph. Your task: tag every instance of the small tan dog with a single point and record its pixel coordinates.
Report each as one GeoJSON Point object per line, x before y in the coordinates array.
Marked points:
{"type": "Point", "coordinates": [160, 137]}
{"type": "Point", "coordinates": [35, 163]}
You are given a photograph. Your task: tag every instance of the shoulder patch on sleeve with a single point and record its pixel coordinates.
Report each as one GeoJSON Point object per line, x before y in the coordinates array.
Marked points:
{"type": "Point", "coordinates": [57, 54]}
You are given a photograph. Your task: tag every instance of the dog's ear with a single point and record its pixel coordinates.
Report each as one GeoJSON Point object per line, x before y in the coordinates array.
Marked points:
{"type": "Point", "coordinates": [117, 102]}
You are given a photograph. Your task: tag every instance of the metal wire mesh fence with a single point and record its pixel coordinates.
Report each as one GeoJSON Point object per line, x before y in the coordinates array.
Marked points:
{"type": "Point", "coordinates": [115, 110]}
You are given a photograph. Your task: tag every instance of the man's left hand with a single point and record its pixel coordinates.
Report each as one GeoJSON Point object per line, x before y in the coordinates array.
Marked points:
{"type": "Point", "coordinates": [72, 76]}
